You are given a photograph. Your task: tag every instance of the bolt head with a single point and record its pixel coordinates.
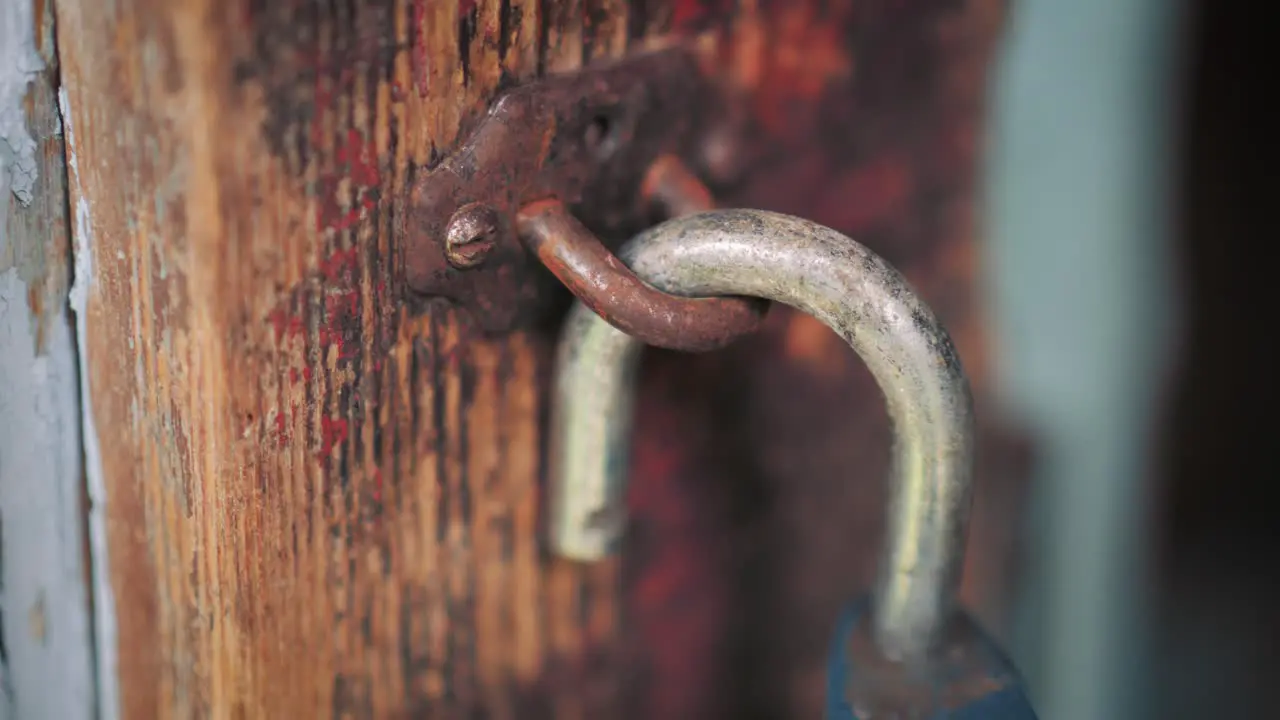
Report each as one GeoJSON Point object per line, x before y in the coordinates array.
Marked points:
{"type": "Point", "coordinates": [471, 236]}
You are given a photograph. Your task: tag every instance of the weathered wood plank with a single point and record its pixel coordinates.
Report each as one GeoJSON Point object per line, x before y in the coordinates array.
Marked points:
{"type": "Point", "coordinates": [320, 503]}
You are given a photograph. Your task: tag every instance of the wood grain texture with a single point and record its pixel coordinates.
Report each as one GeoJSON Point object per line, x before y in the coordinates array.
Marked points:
{"type": "Point", "coordinates": [323, 501]}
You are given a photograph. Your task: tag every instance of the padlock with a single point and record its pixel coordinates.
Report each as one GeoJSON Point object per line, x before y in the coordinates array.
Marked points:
{"type": "Point", "coordinates": [907, 650]}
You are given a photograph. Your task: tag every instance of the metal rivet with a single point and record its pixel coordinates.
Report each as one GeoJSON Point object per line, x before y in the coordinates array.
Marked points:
{"type": "Point", "coordinates": [471, 236]}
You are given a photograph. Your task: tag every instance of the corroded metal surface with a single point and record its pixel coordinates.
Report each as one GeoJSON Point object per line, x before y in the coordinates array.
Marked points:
{"type": "Point", "coordinates": [586, 138]}
{"type": "Point", "coordinates": [869, 304]}
{"type": "Point", "coordinates": [604, 284]}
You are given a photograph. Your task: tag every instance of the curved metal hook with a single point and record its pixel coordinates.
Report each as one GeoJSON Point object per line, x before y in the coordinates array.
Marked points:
{"type": "Point", "coordinates": [868, 303]}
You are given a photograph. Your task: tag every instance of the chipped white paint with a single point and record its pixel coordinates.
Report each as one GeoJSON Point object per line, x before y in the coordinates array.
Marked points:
{"type": "Point", "coordinates": [19, 62]}
{"type": "Point", "coordinates": [43, 596]}
{"type": "Point", "coordinates": [47, 670]}
{"type": "Point", "coordinates": [82, 279]}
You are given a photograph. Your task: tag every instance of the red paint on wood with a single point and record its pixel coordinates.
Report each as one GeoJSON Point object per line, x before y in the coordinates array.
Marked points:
{"type": "Point", "coordinates": [282, 435]}
{"type": "Point", "coordinates": [359, 158]}
{"type": "Point", "coordinates": [333, 432]}
{"type": "Point", "coordinates": [419, 61]}
{"type": "Point", "coordinates": [340, 266]}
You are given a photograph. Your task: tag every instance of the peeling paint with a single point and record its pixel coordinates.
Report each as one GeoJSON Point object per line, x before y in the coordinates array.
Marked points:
{"type": "Point", "coordinates": [46, 651]}
{"type": "Point", "coordinates": [42, 593]}
{"type": "Point", "coordinates": [82, 278]}
{"type": "Point", "coordinates": [19, 63]}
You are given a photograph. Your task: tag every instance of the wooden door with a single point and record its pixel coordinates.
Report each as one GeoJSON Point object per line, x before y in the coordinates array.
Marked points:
{"type": "Point", "coordinates": [322, 501]}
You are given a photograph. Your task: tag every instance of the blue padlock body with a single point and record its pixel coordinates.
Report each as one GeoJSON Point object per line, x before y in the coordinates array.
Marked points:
{"type": "Point", "coordinates": [1001, 695]}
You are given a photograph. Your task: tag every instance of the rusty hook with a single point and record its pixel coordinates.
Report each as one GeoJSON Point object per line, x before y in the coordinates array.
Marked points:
{"type": "Point", "coordinates": [604, 284]}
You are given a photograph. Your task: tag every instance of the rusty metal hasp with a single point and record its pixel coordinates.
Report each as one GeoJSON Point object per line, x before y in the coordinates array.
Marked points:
{"type": "Point", "coordinates": [587, 140]}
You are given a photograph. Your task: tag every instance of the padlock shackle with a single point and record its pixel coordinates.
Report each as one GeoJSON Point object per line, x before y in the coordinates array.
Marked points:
{"type": "Point", "coordinates": [865, 301]}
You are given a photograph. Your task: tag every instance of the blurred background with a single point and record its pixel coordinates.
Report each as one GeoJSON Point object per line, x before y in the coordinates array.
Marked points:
{"type": "Point", "coordinates": [1127, 172]}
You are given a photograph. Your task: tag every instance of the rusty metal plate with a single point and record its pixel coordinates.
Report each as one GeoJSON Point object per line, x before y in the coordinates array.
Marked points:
{"type": "Point", "coordinates": [585, 138]}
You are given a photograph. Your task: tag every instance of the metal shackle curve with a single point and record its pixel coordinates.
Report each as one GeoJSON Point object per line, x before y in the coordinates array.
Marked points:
{"type": "Point", "coordinates": [866, 302]}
